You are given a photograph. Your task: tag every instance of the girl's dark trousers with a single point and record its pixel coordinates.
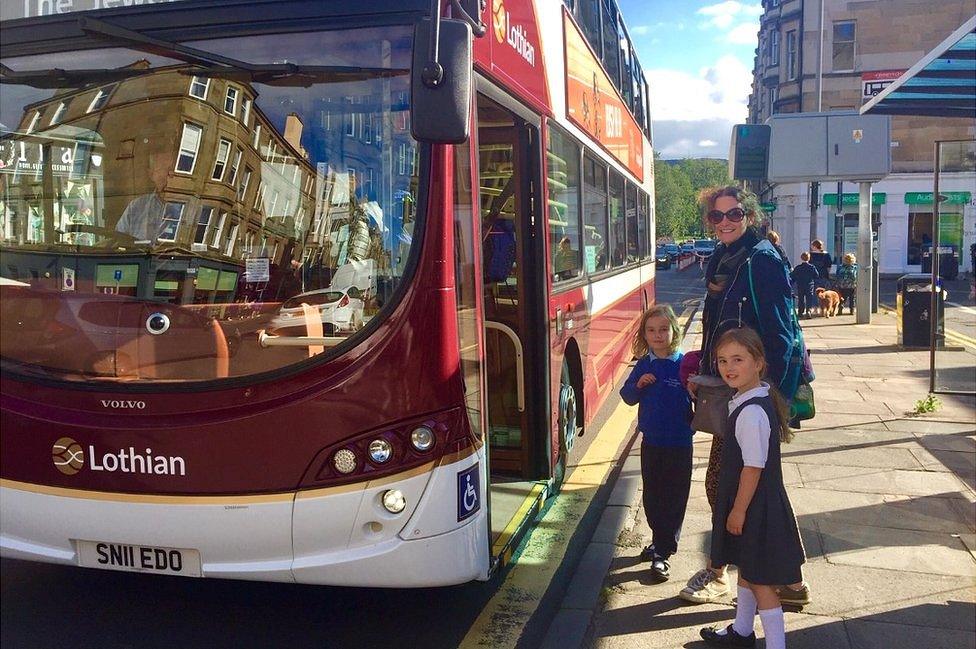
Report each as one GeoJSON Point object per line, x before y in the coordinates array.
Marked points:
{"type": "Point", "coordinates": [847, 297]}
{"type": "Point", "coordinates": [666, 473]}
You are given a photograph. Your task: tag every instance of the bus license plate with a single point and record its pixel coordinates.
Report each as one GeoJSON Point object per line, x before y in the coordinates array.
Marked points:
{"type": "Point", "coordinates": [139, 558]}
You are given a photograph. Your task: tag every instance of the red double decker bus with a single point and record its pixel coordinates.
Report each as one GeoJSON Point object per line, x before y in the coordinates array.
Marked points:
{"type": "Point", "coordinates": [287, 293]}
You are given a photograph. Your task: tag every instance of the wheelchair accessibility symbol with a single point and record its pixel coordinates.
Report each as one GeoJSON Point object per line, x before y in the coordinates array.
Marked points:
{"type": "Point", "coordinates": [468, 486]}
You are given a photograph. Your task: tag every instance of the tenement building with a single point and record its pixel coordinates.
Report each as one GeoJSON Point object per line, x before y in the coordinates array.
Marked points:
{"type": "Point", "coordinates": [805, 64]}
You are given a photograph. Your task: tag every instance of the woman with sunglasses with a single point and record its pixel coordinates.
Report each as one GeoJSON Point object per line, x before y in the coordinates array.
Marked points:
{"type": "Point", "coordinates": [747, 285]}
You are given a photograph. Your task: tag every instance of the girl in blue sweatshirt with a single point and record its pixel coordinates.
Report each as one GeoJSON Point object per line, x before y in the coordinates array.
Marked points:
{"type": "Point", "coordinates": [663, 418]}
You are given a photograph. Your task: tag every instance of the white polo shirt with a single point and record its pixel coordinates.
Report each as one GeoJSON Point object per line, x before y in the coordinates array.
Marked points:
{"type": "Point", "coordinates": [752, 427]}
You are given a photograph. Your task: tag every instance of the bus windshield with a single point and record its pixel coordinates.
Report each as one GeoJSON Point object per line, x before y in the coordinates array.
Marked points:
{"type": "Point", "coordinates": [163, 214]}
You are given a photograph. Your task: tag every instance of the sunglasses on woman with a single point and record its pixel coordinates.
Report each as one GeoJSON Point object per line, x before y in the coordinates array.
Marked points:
{"type": "Point", "coordinates": [735, 215]}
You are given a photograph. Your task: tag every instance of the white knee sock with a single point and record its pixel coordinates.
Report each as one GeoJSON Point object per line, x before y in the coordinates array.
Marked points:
{"type": "Point", "coordinates": [774, 627]}
{"type": "Point", "coordinates": [745, 612]}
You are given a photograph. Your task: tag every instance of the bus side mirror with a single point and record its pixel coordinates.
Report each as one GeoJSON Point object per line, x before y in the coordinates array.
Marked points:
{"type": "Point", "coordinates": [439, 111]}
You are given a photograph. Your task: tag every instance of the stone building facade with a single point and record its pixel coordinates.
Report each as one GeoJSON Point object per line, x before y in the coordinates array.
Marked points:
{"type": "Point", "coordinates": [803, 65]}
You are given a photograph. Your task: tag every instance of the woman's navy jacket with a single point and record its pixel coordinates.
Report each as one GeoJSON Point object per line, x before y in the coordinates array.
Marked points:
{"type": "Point", "coordinates": [774, 323]}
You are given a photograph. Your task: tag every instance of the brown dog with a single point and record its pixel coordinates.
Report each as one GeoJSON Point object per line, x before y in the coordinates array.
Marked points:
{"type": "Point", "coordinates": [829, 302]}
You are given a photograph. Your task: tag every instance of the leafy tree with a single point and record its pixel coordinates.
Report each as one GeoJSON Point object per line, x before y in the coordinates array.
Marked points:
{"type": "Point", "coordinates": [676, 187]}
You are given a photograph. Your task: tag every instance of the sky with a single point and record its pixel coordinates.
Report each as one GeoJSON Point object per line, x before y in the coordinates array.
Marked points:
{"type": "Point", "coordinates": [697, 56]}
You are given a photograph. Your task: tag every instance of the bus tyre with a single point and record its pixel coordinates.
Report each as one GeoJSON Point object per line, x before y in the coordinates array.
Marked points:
{"type": "Point", "coordinates": [567, 423]}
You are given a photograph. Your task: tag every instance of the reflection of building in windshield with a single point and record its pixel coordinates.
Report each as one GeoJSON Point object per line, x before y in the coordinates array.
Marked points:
{"type": "Point", "coordinates": [188, 161]}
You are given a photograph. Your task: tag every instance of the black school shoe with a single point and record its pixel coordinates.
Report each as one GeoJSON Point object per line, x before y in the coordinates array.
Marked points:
{"type": "Point", "coordinates": [730, 639]}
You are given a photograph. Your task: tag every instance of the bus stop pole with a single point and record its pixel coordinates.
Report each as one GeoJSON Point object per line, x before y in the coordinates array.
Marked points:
{"type": "Point", "coordinates": [865, 267]}
{"type": "Point", "coordinates": [934, 304]}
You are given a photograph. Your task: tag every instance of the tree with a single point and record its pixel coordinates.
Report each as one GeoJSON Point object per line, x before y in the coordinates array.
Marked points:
{"type": "Point", "coordinates": [676, 187]}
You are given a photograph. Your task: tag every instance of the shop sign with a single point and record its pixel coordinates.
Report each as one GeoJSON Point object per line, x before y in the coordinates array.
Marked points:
{"type": "Point", "coordinates": [768, 207]}
{"type": "Point", "coordinates": [877, 198]}
{"type": "Point", "coordinates": [925, 198]}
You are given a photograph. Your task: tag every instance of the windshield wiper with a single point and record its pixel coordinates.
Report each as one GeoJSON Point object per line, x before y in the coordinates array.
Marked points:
{"type": "Point", "coordinates": [205, 64]}
{"type": "Point", "coordinates": [216, 65]}
{"type": "Point", "coordinates": [59, 78]}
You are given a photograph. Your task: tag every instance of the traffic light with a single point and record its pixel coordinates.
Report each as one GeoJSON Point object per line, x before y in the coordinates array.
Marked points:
{"type": "Point", "coordinates": [749, 152]}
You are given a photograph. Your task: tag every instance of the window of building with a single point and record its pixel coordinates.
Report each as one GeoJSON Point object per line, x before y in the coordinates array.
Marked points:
{"type": "Point", "coordinates": [845, 33]}
{"type": "Point", "coordinates": [220, 163]}
{"type": "Point", "coordinates": [774, 48]}
{"type": "Point", "coordinates": [235, 166]}
{"type": "Point", "coordinates": [611, 51]}
{"type": "Point", "coordinates": [230, 101]}
{"type": "Point", "coordinates": [218, 232]}
{"type": "Point", "coordinates": [256, 140]}
{"type": "Point", "coordinates": [564, 206]}
{"type": "Point", "coordinates": [232, 240]}
{"type": "Point", "coordinates": [33, 123]}
{"type": "Point", "coordinates": [199, 87]}
{"type": "Point", "coordinates": [792, 56]}
{"type": "Point", "coordinates": [189, 145]}
{"type": "Point", "coordinates": [245, 111]}
{"type": "Point", "coordinates": [59, 112]}
{"type": "Point", "coordinates": [919, 232]}
{"type": "Point", "coordinates": [402, 159]}
{"type": "Point", "coordinates": [773, 97]}
{"type": "Point", "coordinates": [245, 179]}
{"type": "Point", "coordinates": [259, 195]}
{"type": "Point", "coordinates": [172, 216]}
{"type": "Point", "coordinates": [100, 99]}
{"type": "Point", "coordinates": [274, 204]}
{"type": "Point", "coordinates": [203, 224]}
{"type": "Point", "coordinates": [594, 215]}
{"type": "Point", "coordinates": [618, 225]}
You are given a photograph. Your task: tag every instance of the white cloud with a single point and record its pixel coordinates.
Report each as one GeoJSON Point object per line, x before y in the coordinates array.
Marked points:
{"type": "Point", "coordinates": [674, 140]}
{"type": "Point", "coordinates": [640, 30]}
{"type": "Point", "coordinates": [707, 143]}
{"type": "Point", "coordinates": [743, 34]}
{"type": "Point", "coordinates": [722, 15]}
{"type": "Point", "coordinates": [717, 92]}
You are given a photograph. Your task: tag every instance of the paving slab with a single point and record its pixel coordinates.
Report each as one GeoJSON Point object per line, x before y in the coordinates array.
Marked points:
{"type": "Point", "coordinates": [880, 481]}
{"type": "Point", "coordinates": [868, 634]}
{"type": "Point", "coordinates": [881, 458]}
{"type": "Point", "coordinates": [938, 553]}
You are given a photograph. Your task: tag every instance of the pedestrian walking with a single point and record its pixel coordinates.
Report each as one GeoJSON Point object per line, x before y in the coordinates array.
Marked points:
{"type": "Point", "coordinates": [847, 282]}
{"type": "Point", "coordinates": [804, 278]}
{"type": "Point", "coordinates": [773, 237]}
{"type": "Point", "coordinates": [664, 410]}
{"type": "Point", "coordinates": [753, 524]}
{"type": "Point", "coordinates": [822, 261]}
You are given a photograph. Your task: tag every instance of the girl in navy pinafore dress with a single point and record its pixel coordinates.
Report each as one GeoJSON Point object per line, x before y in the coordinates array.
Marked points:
{"type": "Point", "coordinates": [753, 525]}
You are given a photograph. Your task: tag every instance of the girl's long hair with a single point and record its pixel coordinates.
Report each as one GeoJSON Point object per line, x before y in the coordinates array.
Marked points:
{"type": "Point", "coordinates": [753, 345]}
{"type": "Point", "coordinates": [639, 345]}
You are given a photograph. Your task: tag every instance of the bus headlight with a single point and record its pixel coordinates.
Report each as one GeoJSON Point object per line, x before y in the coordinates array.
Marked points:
{"type": "Point", "coordinates": [422, 438]}
{"type": "Point", "coordinates": [344, 461]}
{"type": "Point", "coordinates": [393, 501]}
{"type": "Point", "coordinates": [380, 451]}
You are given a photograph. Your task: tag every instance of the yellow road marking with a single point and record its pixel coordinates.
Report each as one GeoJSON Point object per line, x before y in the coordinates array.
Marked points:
{"type": "Point", "coordinates": [501, 621]}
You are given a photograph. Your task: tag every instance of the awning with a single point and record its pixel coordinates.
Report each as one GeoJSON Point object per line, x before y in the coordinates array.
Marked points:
{"type": "Point", "coordinates": [941, 84]}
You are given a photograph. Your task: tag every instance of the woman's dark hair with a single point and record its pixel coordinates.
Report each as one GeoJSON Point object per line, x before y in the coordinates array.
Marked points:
{"type": "Point", "coordinates": [745, 198]}
{"type": "Point", "coordinates": [752, 343]}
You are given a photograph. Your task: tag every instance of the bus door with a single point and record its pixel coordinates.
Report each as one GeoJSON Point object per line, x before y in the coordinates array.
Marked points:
{"type": "Point", "coordinates": [516, 345]}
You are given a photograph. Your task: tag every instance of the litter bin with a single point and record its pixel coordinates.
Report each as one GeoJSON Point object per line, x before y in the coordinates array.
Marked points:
{"type": "Point", "coordinates": [948, 262]}
{"type": "Point", "coordinates": [914, 304]}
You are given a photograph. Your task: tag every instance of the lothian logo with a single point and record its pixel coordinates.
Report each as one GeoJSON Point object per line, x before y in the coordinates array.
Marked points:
{"type": "Point", "coordinates": [68, 456]}
{"type": "Point", "coordinates": [69, 459]}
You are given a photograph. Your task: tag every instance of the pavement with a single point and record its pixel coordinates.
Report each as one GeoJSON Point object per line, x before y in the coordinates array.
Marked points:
{"type": "Point", "coordinates": [884, 498]}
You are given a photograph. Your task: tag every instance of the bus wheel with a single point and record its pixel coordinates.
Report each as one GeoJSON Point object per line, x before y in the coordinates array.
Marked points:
{"type": "Point", "coordinates": [567, 424]}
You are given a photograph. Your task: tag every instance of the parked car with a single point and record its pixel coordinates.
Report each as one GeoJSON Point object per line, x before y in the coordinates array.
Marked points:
{"type": "Point", "coordinates": [662, 258]}
{"type": "Point", "coordinates": [704, 247]}
{"type": "Point", "coordinates": [341, 310]}
{"type": "Point", "coordinates": [687, 247]}
{"type": "Point", "coordinates": [673, 250]}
